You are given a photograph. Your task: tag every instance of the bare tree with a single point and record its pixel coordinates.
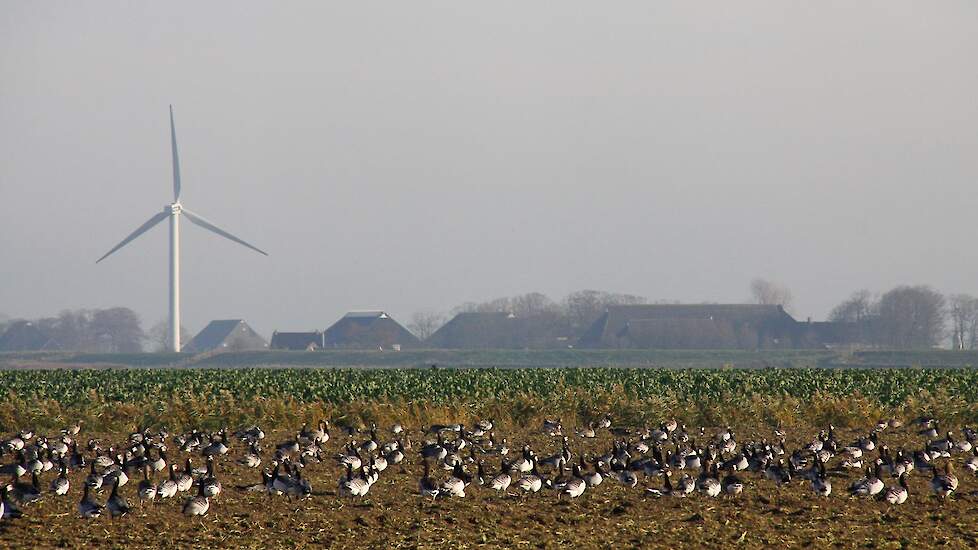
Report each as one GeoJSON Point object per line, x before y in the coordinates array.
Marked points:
{"type": "Point", "coordinates": [159, 336]}
{"type": "Point", "coordinates": [912, 317]}
{"type": "Point", "coordinates": [770, 293]}
{"type": "Point", "coordinates": [117, 329]}
{"type": "Point", "coordinates": [424, 323]}
{"type": "Point", "coordinates": [585, 306]}
{"type": "Point", "coordinates": [859, 307]}
{"type": "Point", "coordinates": [963, 312]}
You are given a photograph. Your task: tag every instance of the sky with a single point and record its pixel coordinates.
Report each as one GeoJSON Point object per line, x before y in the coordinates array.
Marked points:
{"type": "Point", "coordinates": [416, 155]}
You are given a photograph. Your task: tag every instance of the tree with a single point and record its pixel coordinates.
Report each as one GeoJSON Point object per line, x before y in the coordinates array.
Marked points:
{"type": "Point", "coordinates": [424, 323]}
{"type": "Point", "coordinates": [770, 293]}
{"type": "Point", "coordinates": [857, 308]}
{"type": "Point", "coordinates": [117, 330]}
{"type": "Point", "coordinates": [912, 317]}
{"type": "Point", "coordinates": [963, 312]}
{"type": "Point", "coordinates": [158, 336]}
{"type": "Point", "coordinates": [583, 307]}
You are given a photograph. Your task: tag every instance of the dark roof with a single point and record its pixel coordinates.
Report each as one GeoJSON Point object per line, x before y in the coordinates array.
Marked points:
{"type": "Point", "coordinates": [614, 324]}
{"type": "Point", "coordinates": [24, 336]}
{"type": "Point", "coordinates": [226, 334]}
{"type": "Point", "coordinates": [297, 340]}
{"type": "Point", "coordinates": [496, 329]}
{"type": "Point", "coordinates": [368, 330]}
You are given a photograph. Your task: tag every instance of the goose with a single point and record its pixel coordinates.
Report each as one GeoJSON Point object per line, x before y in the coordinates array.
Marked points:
{"type": "Point", "coordinates": [117, 504]}
{"type": "Point", "coordinates": [94, 479]}
{"type": "Point", "coordinates": [502, 480]}
{"type": "Point", "coordinates": [351, 458]}
{"type": "Point", "coordinates": [484, 425]}
{"type": "Point", "coordinates": [28, 492]}
{"type": "Point", "coordinates": [168, 488]}
{"type": "Point", "coordinates": [552, 427]}
{"type": "Point", "coordinates": [198, 505]}
{"type": "Point", "coordinates": [605, 422]}
{"type": "Point", "coordinates": [709, 481]}
{"type": "Point", "coordinates": [212, 487]}
{"type": "Point", "coordinates": [930, 431]}
{"type": "Point", "coordinates": [217, 446]}
{"type": "Point", "coordinates": [531, 482]}
{"type": "Point", "coordinates": [558, 460]}
{"type": "Point", "coordinates": [60, 484]}
{"type": "Point", "coordinates": [732, 485]}
{"type": "Point", "coordinates": [575, 486]}
{"type": "Point", "coordinates": [426, 486]}
{"type": "Point", "coordinates": [186, 479]}
{"type": "Point", "coordinates": [946, 483]}
{"type": "Point", "coordinates": [869, 486]}
{"type": "Point", "coordinates": [588, 432]}
{"type": "Point", "coordinates": [147, 489]}
{"type": "Point", "coordinates": [821, 484]}
{"type": "Point", "coordinates": [667, 489]}
{"type": "Point", "coordinates": [897, 494]}
{"type": "Point", "coordinates": [251, 434]}
{"type": "Point", "coordinates": [777, 472]}
{"type": "Point", "coordinates": [87, 507]}
{"type": "Point", "coordinates": [397, 429]}
{"type": "Point", "coordinates": [76, 460]}
{"type": "Point", "coordinates": [685, 485]}
{"type": "Point", "coordinates": [371, 444]}
{"type": "Point", "coordinates": [251, 459]}
{"type": "Point", "coordinates": [972, 464]}
{"type": "Point", "coordinates": [395, 455]}
{"type": "Point", "coordinates": [7, 508]}
{"type": "Point", "coordinates": [455, 485]}
{"type": "Point", "coordinates": [118, 471]}
{"type": "Point", "coordinates": [103, 460]}
{"type": "Point", "coordinates": [292, 484]}
{"type": "Point", "coordinates": [595, 478]}
{"type": "Point", "coordinates": [159, 464]}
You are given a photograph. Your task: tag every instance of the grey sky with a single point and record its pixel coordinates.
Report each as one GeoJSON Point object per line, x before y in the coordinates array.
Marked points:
{"type": "Point", "coordinates": [405, 155]}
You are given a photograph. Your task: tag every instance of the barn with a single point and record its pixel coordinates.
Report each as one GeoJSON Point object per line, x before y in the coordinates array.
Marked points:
{"type": "Point", "coordinates": [25, 336]}
{"type": "Point", "coordinates": [368, 330]}
{"type": "Point", "coordinates": [297, 341]}
{"type": "Point", "coordinates": [226, 335]}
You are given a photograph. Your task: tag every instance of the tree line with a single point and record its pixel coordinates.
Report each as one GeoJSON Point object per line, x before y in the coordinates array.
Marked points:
{"type": "Point", "coordinates": [912, 317]}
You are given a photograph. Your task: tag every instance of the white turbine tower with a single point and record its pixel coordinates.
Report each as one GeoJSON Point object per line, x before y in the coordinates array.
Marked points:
{"type": "Point", "coordinates": [174, 211]}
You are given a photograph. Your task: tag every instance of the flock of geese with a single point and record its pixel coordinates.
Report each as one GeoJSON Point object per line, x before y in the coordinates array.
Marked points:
{"type": "Point", "coordinates": [668, 461]}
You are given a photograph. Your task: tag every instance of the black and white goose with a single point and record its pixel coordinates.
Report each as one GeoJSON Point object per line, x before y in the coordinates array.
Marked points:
{"type": "Point", "coordinates": [197, 505]}
{"type": "Point", "coordinates": [427, 486]}
{"type": "Point", "coordinates": [87, 507]}
{"type": "Point", "coordinates": [455, 485]}
{"type": "Point", "coordinates": [821, 484]}
{"type": "Point", "coordinates": [168, 489]}
{"type": "Point", "coordinates": [531, 482]}
{"type": "Point", "coordinates": [897, 494]}
{"type": "Point", "coordinates": [147, 488]}
{"type": "Point", "coordinates": [186, 479]}
{"type": "Point", "coordinates": [117, 504]}
{"type": "Point", "coordinates": [972, 464]}
{"type": "Point", "coordinates": [945, 483]}
{"type": "Point", "coordinates": [60, 484]}
{"type": "Point", "coordinates": [868, 486]}
{"type": "Point", "coordinates": [27, 492]}
{"type": "Point", "coordinates": [252, 458]}
{"type": "Point", "coordinates": [593, 479]}
{"type": "Point", "coordinates": [212, 487]}
{"type": "Point", "coordinates": [501, 481]}
{"type": "Point", "coordinates": [574, 486]}
{"type": "Point", "coordinates": [732, 485]}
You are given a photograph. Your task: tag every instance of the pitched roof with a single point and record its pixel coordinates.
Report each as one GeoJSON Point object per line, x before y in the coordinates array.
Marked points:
{"type": "Point", "coordinates": [476, 329]}
{"type": "Point", "coordinates": [25, 336]}
{"type": "Point", "coordinates": [368, 330]}
{"type": "Point", "coordinates": [616, 319]}
{"type": "Point", "coordinates": [297, 340]}
{"type": "Point", "coordinates": [226, 334]}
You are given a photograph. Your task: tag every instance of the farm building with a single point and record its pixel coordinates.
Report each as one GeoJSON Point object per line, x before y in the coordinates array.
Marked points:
{"type": "Point", "coordinates": [25, 336]}
{"type": "Point", "coordinates": [368, 330]}
{"type": "Point", "coordinates": [297, 341]}
{"type": "Point", "coordinates": [226, 335]}
{"type": "Point", "coordinates": [694, 326]}
{"type": "Point", "coordinates": [499, 330]}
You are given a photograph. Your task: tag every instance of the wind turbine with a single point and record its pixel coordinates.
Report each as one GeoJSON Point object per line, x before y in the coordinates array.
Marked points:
{"type": "Point", "coordinates": [174, 211]}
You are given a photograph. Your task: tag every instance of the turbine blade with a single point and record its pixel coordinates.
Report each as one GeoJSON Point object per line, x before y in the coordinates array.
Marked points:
{"type": "Point", "coordinates": [197, 219]}
{"type": "Point", "coordinates": [142, 229]}
{"type": "Point", "coordinates": [176, 159]}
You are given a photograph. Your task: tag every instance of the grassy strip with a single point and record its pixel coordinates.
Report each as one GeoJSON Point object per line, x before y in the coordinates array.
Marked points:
{"type": "Point", "coordinates": [199, 397]}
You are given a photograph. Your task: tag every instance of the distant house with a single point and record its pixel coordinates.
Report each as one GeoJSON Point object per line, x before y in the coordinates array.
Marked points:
{"type": "Point", "coordinates": [25, 336]}
{"type": "Point", "coordinates": [497, 330]}
{"type": "Point", "coordinates": [368, 330]}
{"type": "Point", "coordinates": [694, 326]}
{"type": "Point", "coordinates": [297, 341]}
{"type": "Point", "coordinates": [226, 335]}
